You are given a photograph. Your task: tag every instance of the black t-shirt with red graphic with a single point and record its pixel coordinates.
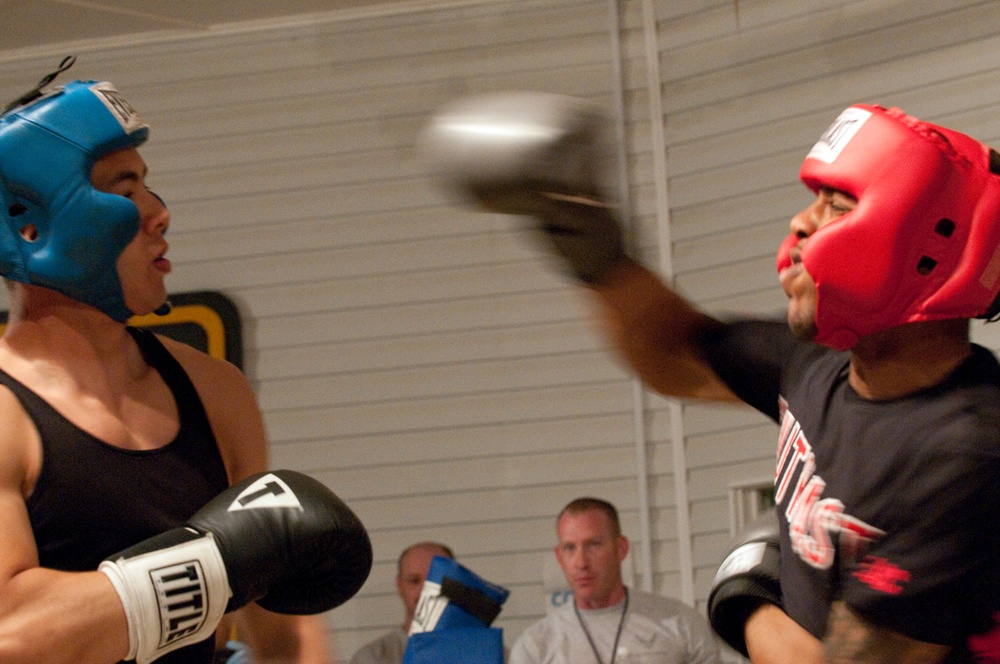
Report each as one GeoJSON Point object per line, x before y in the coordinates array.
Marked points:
{"type": "Point", "coordinates": [891, 506]}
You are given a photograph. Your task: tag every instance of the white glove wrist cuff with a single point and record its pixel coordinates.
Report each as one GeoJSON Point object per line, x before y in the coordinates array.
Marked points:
{"type": "Point", "coordinates": [172, 597]}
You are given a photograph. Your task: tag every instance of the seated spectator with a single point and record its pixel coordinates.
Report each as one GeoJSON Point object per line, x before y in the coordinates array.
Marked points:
{"type": "Point", "coordinates": [414, 562]}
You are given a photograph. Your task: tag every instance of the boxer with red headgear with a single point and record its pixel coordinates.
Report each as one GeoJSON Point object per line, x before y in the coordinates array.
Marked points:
{"type": "Point", "coordinates": [921, 242]}
{"type": "Point", "coordinates": [889, 417]}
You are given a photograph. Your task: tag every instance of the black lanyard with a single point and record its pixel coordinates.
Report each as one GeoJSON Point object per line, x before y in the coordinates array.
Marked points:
{"type": "Point", "coordinates": [618, 634]}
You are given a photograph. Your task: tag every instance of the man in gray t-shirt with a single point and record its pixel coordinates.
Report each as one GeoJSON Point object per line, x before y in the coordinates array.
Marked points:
{"type": "Point", "coordinates": [607, 622]}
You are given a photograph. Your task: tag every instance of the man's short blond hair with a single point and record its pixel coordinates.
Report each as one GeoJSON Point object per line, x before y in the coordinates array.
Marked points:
{"type": "Point", "coordinates": [588, 504]}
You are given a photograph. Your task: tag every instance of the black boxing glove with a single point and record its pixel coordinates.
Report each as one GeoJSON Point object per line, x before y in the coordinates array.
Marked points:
{"type": "Point", "coordinates": [585, 233]}
{"type": "Point", "coordinates": [748, 577]}
{"type": "Point", "coordinates": [279, 538]}
{"type": "Point", "coordinates": [535, 154]}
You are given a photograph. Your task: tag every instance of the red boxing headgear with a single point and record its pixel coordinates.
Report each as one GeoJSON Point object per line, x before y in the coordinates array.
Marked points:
{"type": "Point", "coordinates": [923, 242]}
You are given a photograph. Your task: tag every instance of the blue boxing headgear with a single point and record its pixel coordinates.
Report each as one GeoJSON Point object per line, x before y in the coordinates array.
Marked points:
{"type": "Point", "coordinates": [47, 150]}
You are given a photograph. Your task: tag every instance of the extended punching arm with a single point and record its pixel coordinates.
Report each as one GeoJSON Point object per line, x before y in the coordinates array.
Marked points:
{"type": "Point", "coordinates": [545, 156]}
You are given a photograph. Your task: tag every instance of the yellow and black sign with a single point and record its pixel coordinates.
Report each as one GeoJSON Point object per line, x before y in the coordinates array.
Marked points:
{"type": "Point", "coordinates": [207, 320]}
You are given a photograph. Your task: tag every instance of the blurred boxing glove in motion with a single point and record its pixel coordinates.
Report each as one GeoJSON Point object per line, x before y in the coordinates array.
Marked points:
{"type": "Point", "coordinates": [747, 578]}
{"type": "Point", "coordinates": [536, 154]}
{"type": "Point", "coordinates": [279, 538]}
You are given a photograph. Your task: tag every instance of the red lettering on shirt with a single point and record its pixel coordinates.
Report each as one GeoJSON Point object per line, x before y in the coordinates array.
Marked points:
{"type": "Point", "coordinates": [813, 521]}
{"type": "Point", "coordinates": [881, 575]}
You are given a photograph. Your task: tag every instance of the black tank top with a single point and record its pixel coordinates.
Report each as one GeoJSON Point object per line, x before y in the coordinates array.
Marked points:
{"type": "Point", "coordinates": [92, 499]}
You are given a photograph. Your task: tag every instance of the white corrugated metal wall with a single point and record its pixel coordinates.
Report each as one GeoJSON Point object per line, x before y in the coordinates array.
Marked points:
{"type": "Point", "coordinates": [424, 361]}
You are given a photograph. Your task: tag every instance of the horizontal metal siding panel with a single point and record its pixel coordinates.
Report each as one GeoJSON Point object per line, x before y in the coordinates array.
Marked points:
{"type": "Point", "coordinates": [332, 421]}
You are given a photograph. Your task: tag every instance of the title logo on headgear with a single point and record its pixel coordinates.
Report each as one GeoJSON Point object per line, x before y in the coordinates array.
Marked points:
{"type": "Point", "coordinates": [835, 139]}
{"type": "Point", "coordinates": [123, 111]}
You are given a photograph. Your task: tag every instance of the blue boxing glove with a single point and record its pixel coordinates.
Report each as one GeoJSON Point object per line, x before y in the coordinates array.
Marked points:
{"type": "Point", "coordinates": [279, 538]}
{"type": "Point", "coordinates": [452, 621]}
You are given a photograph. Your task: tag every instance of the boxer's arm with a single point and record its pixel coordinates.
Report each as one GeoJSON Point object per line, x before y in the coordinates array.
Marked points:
{"type": "Point", "coordinates": [45, 615]}
{"type": "Point", "coordinates": [541, 157]}
{"type": "Point", "coordinates": [285, 639]}
{"type": "Point", "coordinates": [774, 638]}
{"type": "Point", "coordinates": [60, 618]}
{"type": "Point", "coordinates": [850, 638]}
{"type": "Point", "coordinates": [657, 333]}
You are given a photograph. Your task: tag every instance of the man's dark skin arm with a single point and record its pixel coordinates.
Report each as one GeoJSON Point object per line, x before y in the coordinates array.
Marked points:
{"type": "Point", "coordinates": [774, 638]}
{"type": "Point", "coordinates": [851, 638]}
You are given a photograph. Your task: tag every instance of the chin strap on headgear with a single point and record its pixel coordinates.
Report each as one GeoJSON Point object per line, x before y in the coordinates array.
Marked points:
{"type": "Point", "coordinates": [49, 142]}
{"type": "Point", "coordinates": [923, 242]}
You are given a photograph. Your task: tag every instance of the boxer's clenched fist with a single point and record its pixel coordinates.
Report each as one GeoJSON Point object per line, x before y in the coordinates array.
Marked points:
{"type": "Point", "coordinates": [536, 154]}
{"type": "Point", "coordinates": [279, 538]}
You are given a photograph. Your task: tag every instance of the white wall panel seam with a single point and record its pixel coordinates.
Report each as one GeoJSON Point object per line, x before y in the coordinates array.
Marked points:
{"type": "Point", "coordinates": [665, 242]}
{"type": "Point", "coordinates": [625, 213]}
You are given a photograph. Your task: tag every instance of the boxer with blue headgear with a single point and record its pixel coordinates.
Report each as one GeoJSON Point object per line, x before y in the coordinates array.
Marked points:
{"type": "Point", "coordinates": [56, 229]}
{"type": "Point", "coordinates": [138, 506]}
